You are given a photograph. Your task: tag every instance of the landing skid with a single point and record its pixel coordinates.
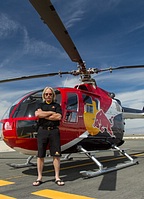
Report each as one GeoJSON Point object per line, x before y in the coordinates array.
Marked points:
{"type": "Point", "coordinates": [28, 162]}
{"type": "Point", "coordinates": [101, 170]}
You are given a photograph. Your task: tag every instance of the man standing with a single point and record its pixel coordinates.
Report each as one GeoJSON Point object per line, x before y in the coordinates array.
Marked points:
{"type": "Point", "coordinates": [49, 113]}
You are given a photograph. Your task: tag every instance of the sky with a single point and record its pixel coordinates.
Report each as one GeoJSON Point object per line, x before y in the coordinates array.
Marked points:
{"type": "Point", "coordinates": [107, 33]}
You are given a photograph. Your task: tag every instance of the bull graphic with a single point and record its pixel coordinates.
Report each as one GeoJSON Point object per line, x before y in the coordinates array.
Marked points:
{"type": "Point", "coordinates": [103, 123]}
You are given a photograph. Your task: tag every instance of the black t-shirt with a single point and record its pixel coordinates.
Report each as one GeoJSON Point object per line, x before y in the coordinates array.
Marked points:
{"type": "Point", "coordinates": [53, 106]}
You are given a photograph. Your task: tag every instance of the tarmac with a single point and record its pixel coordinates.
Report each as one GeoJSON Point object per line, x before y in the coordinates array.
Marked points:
{"type": "Point", "coordinates": [125, 183]}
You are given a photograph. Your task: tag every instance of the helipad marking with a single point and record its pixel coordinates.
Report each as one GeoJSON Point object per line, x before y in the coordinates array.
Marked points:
{"type": "Point", "coordinates": [58, 195]}
{"type": "Point", "coordinates": [6, 197]}
{"type": "Point", "coordinates": [4, 182]}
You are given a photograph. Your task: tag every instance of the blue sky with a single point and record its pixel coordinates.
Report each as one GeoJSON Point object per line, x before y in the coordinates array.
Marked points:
{"type": "Point", "coordinates": [105, 32]}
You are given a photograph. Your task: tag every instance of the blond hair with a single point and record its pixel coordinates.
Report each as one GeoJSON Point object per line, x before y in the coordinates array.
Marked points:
{"type": "Point", "coordinates": [53, 93]}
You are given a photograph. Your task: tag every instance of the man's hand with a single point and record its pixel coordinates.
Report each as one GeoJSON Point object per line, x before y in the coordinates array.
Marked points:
{"type": "Point", "coordinates": [54, 117]}
{"type": "Point", "coordinates": [43, 114]}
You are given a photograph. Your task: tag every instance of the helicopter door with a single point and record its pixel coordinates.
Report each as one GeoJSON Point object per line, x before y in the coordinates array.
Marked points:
{"type": "Point", "coordinates": [91, 107]}
{"type": "Point", "coordinates": [71, 115]}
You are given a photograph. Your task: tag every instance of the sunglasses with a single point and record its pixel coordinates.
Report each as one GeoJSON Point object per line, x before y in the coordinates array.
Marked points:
{"type": "Point", "coordinates": [46, 94]}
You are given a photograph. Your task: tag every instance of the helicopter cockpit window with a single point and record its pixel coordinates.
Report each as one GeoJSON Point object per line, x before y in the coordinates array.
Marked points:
{"type": "Point", "coordinates": [28, 106]}
{"type": "Point", "coordinates": [88, 106]}
{"type": "Point", "coordinates": [72, 101]}
{"type": "Point", "coordinates": [72, 108]}
{"type": "Point", "coordinates": [97, 104]}
{"type": "Point", "coordinates": [58, 96]}
{"type": "Point", "coordinates": [28, 128]}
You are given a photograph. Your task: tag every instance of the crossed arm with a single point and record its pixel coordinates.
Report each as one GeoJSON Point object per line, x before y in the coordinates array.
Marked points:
{"type": "Point", "coordinates": [49, 115]}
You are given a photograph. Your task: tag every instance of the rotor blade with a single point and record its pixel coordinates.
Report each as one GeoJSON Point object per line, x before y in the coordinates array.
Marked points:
{"type": "Point", "coordinates": [33, 76]}
{"type": "Point", "coordinates": [50, 17]}
{"type": "Point", "coordinates": [96, 70]}
{"type": "Point", "coordinates": [124, 67]}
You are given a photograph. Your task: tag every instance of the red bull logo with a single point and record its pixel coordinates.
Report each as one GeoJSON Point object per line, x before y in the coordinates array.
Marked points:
{"type": "Point", "coordinates": [103, 123]}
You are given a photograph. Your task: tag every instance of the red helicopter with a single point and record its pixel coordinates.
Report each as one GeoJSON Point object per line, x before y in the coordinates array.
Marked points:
{"type": "Point", "coordinates": [93, 119]}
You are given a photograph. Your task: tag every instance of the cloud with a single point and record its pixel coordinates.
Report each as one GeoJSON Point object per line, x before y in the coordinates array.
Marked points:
{"type": "Point", "coordinates": [70, 82]}
{"type": "Point", "coordinates": [133, 99]}
{"type": "Point", "coordinates": [103, 6]}
{"type": "Point", "coordinates": [40, 48]}
{"type": "Point", "coordinates": [130, 78]}
{"type": "Point", "coordinates": [72, 15]}
{"type": "Point", "coordinates": [78, 9]}
{"type": "Point", "coordinates": [136, 27]}
{"type": "Point", "coordinates": [7, 26]}
{"type": "Point", "coordinates": [72, 12]}
{"type": "Point", "coordinates": [24, 45]}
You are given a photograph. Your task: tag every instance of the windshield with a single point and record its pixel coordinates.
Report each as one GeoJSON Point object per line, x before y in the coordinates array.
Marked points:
{"type": "Point", "coordinates": [26, 105]}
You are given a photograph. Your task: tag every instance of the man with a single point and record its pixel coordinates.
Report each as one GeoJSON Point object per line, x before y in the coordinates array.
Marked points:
{"type": "Point", "coordinates": [49, 114]}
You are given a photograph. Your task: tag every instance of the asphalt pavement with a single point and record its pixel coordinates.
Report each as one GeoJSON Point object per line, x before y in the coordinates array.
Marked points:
{"type": "Point", "coordinates": [122, 184]}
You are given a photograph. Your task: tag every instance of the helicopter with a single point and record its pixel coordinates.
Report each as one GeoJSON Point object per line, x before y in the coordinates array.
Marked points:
{"type": "Point", "coordinates": [93, 119]}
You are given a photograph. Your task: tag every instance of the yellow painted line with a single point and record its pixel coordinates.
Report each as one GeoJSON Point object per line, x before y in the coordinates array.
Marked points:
{"type": "Point", "coordinates": [58, 195]}
{"type": "Point", "coordinates": [6, 197]}
{"type": "Point", "coordinates": [3, 183]}
{"type": "Point", "coordinates": [140, 154]}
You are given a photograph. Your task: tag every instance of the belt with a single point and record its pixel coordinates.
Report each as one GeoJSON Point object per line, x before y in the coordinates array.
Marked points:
{"type": "Point", "coordinates": [49, 127]}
